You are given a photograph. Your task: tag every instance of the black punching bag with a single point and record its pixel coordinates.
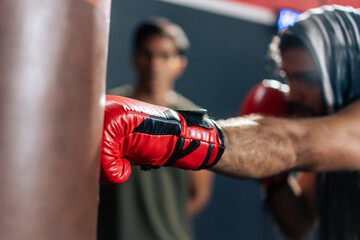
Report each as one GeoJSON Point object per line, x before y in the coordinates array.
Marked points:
{"type": "Point", "coordinates": [53, 57]}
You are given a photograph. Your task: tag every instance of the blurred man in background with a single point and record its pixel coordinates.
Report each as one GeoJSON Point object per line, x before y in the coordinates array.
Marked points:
{"type": "Point", "coordinates": [319, 57]}
{"type": "Point", "coordinates": [155, 204]}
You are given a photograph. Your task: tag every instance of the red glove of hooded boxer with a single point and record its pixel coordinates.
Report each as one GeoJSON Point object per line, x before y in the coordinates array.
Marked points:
{"type": "Point", "coordinates": [138, 133]}
{"type": "Point", "coordinates": [267, 98]}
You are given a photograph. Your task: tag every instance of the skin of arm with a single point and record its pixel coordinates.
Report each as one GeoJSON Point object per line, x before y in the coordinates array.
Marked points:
{"type": "Point", "coordinates": [201, 185]}
{"type": "Point", "coordinates": [293, 206]}
{"type": "Point", "coordinates": [260, 146]}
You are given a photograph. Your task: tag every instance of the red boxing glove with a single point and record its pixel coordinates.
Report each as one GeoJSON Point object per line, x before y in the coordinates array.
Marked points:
{"type": "Point", "coordinates": [139, 133]}
{"type": "Point", "coordinates": [268, 98]}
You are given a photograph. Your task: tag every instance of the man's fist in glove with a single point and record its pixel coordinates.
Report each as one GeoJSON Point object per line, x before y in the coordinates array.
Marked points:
{"type": "Point", "coordinates": [138, 133]}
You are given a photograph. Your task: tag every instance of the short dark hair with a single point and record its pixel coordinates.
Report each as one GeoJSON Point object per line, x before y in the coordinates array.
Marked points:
{"type": "Point", "coordinates": [163, 27]}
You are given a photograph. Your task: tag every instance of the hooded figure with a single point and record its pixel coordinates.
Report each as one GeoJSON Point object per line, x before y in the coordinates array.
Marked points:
{"type": "Point", "coordinates": [331, 34]}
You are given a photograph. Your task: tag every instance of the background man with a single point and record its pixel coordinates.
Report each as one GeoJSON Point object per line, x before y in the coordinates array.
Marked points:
{"type": "Point", "coordinates": [159, 203]}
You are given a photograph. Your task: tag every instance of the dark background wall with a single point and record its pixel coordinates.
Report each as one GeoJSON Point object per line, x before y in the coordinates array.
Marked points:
{"type": "Point", "coordinates": [227, 57]}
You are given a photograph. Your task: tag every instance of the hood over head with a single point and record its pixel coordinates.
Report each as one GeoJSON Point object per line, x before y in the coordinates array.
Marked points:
{"type": "Point", "coordinates": [332, 35]}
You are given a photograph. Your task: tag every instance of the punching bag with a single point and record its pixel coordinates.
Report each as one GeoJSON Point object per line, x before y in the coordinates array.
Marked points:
{"type": "Point", "coordinates": [52, 91]}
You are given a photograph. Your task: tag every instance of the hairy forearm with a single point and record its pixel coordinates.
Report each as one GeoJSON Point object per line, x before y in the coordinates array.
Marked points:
{"type": "Point", "coordinates": [256, 147]}
{"type": "Point", "coordinates": [263, 146]}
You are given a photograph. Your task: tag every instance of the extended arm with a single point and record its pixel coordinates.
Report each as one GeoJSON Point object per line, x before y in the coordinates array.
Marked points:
{"type": "Point", "coordinates": [137, 133]}
{"type": "Point", "coordinates": [262, 146]}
